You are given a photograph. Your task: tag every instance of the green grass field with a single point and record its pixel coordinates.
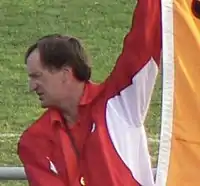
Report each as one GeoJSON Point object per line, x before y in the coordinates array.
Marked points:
{"type": "Point", "coordinates": [100, 24]}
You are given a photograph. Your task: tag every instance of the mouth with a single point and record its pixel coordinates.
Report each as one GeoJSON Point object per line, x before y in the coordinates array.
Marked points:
{"type": "Point", "coordinates": [40, 95]}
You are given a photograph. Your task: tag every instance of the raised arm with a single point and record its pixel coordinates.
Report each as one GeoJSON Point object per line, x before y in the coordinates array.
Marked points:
{"type": "Point", "coordinates": [129, 87]}
{"type": "Point", "coordinates": [141, 50]}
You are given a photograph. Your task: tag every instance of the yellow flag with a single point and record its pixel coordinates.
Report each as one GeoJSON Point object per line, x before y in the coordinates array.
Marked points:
{"type": "Point", "coordinates": [179, 156]}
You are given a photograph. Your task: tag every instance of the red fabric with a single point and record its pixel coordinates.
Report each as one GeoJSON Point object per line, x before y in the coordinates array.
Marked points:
{"type": "Point", "coordinates": [99, 162]}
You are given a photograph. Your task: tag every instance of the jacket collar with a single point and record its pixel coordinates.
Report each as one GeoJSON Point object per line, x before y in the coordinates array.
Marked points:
{"type": "Point", "coordinates": [90, 93]}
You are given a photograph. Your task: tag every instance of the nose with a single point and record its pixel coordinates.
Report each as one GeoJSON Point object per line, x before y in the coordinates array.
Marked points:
{"type": "Point", "coordinates": [32, 85]}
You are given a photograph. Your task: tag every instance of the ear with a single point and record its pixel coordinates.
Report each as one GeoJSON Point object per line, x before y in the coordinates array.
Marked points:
{"type": "Point", "coordinates": [67, 74]}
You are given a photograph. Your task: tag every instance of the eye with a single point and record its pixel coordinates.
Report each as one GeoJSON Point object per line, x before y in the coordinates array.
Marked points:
{"type": "Point", "coordinates": [196, 8]}
{"type": "Point", "coordinates": [35, 75]}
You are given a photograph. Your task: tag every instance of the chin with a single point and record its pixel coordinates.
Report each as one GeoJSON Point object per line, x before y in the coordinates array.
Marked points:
{"type": "Point", "coordinates": [44, 105]}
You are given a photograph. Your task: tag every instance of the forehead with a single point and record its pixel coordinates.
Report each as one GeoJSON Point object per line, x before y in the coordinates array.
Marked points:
{"type": "Point", "coordinates": [33, 62]}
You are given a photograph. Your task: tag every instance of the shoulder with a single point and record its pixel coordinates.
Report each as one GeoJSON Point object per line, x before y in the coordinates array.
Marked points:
{"type": "Point", "coordinates": [39, 130]}
{"type": "Point", "coordinates": [36, 142]}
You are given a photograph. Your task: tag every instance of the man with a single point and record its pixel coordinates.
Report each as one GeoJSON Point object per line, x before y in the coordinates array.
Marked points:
{"type": "Point", "coordinates": [92, 134]}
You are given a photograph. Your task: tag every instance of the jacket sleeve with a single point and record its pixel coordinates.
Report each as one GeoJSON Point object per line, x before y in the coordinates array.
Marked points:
{"type": "Point", "coordinates": [141, 45]}
{"type": "Point", "coordinates": [131, 82]}
{"type": "Point", "coordinates": [37, 169]}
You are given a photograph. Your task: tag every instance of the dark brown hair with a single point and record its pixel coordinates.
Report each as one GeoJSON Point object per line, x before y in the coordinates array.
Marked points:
{"type": "Point", "coordinates": [196, 8]}
{"type": "Point", "coordinates": [57, 51]}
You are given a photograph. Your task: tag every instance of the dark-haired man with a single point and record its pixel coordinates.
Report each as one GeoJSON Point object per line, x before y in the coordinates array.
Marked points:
{"type": "Point", "coordinates": [92, 134]}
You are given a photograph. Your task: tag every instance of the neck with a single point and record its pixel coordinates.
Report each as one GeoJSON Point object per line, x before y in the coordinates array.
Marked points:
{"type": "Point", "coordinates": [71, 105]}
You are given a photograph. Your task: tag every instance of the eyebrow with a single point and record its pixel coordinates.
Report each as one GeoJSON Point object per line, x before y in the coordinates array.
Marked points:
{"type": "Point", "coordinates": [34, 74]}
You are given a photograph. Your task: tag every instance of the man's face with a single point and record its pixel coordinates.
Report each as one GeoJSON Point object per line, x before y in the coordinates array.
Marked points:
{"type": "Point", "coordinates": [49, 85]}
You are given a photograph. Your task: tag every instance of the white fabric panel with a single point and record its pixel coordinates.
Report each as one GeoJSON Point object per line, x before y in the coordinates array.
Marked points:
{"type": "Point", "coordinates": [125, 116]}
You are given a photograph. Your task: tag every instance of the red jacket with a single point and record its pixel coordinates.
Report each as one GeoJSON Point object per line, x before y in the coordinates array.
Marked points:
{"type": "Point", "coordinates": [110, 135]}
